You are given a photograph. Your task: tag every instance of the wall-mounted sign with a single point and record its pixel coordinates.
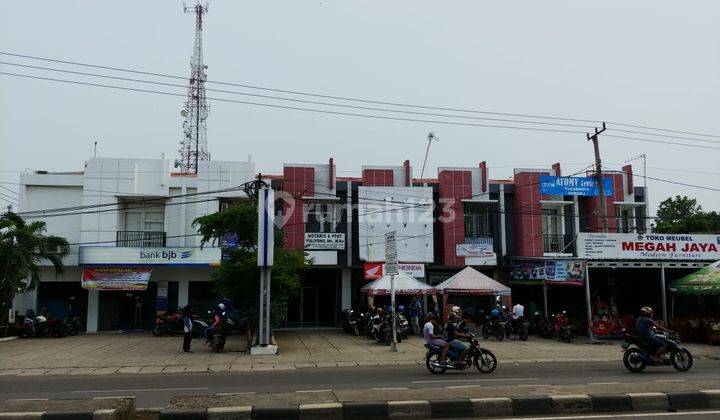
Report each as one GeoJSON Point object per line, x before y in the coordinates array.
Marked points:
{"type": "Point", "coordinates": [568, 272]}
{"type": "Point", "coordinates": [161, 300]}
{"type": "Point", "coordinates": [568, 185]}
{"type": "Point", "coordinates": [375, 270]}
{"type": "Point", "coordinates": [652, 246]}
{"type": "Point", "coordinates": [116, 278]}
{"type": "Point", "coordinates": [477, 253]}
{"type": "Point", "coordinates": [110, 255]}
{"type": "Point", "coordinates": [324, 240]}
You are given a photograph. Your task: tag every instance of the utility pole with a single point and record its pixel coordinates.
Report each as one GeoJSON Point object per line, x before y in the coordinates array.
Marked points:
{"type": "Point", "coordinates": [598, 175]}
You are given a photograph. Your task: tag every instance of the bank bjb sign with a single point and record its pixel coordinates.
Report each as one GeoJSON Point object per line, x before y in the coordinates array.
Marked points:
{"type": "Point", "coordinates": [110, 255]}
{"type": "Point", "coordinates": [324, 240]}
{"type": "Point", "coordinates": [630, 246]}
{"type": "Point", "coordinates": [569, 185]}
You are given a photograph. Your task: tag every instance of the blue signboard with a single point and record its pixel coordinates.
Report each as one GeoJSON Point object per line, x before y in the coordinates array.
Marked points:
{"type": "Point", "coordinates": [567, 185]}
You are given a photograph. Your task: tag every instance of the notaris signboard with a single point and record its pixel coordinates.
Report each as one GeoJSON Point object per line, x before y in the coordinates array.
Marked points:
{"type": "Point", "coordinates": [567, 185]}
{"type": "Point", "coordinates": [324, 240]}
{"type": "Point", "coordinates": [630, 246]}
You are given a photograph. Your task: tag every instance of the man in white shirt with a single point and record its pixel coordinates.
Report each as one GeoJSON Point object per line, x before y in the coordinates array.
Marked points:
{"type": "Point", "coordinates": [435, 339]}
{"type": "Point", "coordinates": [518, 311]}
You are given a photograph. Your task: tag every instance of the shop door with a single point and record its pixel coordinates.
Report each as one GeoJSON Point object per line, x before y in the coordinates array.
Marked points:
{"type": "Point", "coordinates": [309, 306]}
{"type": "Point", "coordinates": [315, 304]}
{"type": "Point", "coordinates": [127, 311]}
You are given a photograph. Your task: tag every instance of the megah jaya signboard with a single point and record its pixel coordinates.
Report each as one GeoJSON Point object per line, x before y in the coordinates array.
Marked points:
{"type": "Point", "coordinates": [652, 246]}
{"type": "Point", "coordinates": [569, 185]}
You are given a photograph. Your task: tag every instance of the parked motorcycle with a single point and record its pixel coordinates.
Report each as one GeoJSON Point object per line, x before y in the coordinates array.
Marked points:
{"type": "Point", "coordinates": [353, 321]}
{"type": "Point", "coordinates": [638, 355]}
{"type": "Point", "coordinates": [483, 359]}
{"type": "Point", "coordinates": [173, 324]}
{"type": "Point", "coordinates": [517, 328]}
{"type": "Point", "coordinates": [42, 325]}
{"type": "Point", "coordinates": [73, 325]}
{"type": "Point", "coordinates": [495, 327]}
{"type": "Point", "coordinates": [541, 326]}
{"type": "Point", "coordinates": [216, 336]}
{"type": "Point", "coordinates": [564, 331]}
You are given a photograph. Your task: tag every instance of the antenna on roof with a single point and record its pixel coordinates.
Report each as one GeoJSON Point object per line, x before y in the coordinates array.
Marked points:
{"type": "Point", "coordinates": [430, 137]}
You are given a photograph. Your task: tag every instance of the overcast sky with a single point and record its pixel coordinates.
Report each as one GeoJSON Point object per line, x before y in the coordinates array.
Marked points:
{"type": "Point", "coordinates": [653, 63]}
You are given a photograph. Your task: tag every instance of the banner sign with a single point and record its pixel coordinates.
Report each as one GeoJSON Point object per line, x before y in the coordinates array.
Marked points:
{"type": "Point", "coordinates": [324, 240]}
{"type": "Point", "coordinates": [161, 301]}
{"type": "Point", "coordinates": [111, 255]}
{"type": "Point", "coordinates": [567, 185]}
{"type": "Point", "coordinates": [652, 246]}
{"type": "Point", "coordinates": [375, 270]}
{"type": "Point", "coordinates": [477, 253]}
{"type": "Point", "coordinates": [116, 278]}
{"type": "Point", "coordinates": [567, 272]}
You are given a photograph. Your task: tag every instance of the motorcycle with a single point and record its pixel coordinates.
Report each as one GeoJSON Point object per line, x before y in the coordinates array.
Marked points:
{"type": "Point", "coordinates": [353, 322]}
{"type": "Point", "coordinates": [637, 355]}
{"type": "Point", "coordinates": [216, 336]}
{"type": "Point", "coordinates": [483, 359]}
{"type": "Point", "coordinates": [517, 328]}
{"type": "Point", "coordinates": [173, 324]}
{"type": "Point", "coordinates": [403, 327]}
{"type": "Point", "coordinates": [73, 325]}
{"type": "Point", "coordinates": [565, 332]}
{"type": "Point", "coordinates": [42, 325]}
{"type": "Point", "coordinates": [495, 327]}
{"type": "Point", "coordinates": [541, 326]}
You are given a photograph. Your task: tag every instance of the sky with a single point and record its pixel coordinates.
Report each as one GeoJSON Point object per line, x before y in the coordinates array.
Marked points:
{"type": "Point", "coordinates": [647, 62]}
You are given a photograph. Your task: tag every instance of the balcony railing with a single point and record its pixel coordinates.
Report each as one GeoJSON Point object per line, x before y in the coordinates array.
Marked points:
{"type": "Point", "coordinates": [558, 244]}
{"type": "Point", "coordinates": [137, 238]}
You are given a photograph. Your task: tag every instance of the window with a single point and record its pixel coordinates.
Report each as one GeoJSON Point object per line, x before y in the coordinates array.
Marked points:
{"type": "Point", "coordinates": [325, 215]}
{"type": "Point", "coordinates": [143, 217]}
{"type": "Point", "coordinates": [622, 219]}
{"type": "Point", "coordinates": [551, 221]}
{"type": "Point", "coordinates": [477, 221]}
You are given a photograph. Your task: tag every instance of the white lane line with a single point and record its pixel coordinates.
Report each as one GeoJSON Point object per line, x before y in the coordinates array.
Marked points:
{"type": "Point", "coordinates": [102, 391]}
{"type": "Point", "coordinates": [28, 399]}
{"type": "Point", "coordinates": [315, 390]}
{"type": "Point", "coordinates": [670, 380]}
{"type": "Point", "coordinates": [390, 388]}
{"type": "Point", "coordinates": [225, 394]}
{"type": "Point", "coordinates": [474, 380]}
{"type": "Point", "coordinates": [613, 416]}
{"type": "Point", "coordinates": [603, 383]}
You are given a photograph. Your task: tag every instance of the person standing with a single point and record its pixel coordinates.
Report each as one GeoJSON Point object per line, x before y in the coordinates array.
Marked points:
{"type": "Point", "coordinates": [415, 312]}
{"type": "Point", "coordinates": [187, 328]}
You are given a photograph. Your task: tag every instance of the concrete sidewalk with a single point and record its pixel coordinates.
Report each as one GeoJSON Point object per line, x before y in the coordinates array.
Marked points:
{"type": "Point", "coordinates": [106, 354]}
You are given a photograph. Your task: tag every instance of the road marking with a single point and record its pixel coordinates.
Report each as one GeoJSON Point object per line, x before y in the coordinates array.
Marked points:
{"type": "Point", "coordinates": [226, 394]}
{"type": "Point", "coordinates": [315, 390]}
{"type": "Point", "coordinates": [27, 399]}
{"type": "Point", "coordinates": [475, 380]}
{"type": "Point", "coordinates": [603, 383]}
{"type": "Point", "coordinates": [670, 380]}
{"type": "Point", "coordinates": [102, 391]}
{"type": "Point", "coordinates": [611, 416]}
{"type": "Point", "coordinates": [390, 388]}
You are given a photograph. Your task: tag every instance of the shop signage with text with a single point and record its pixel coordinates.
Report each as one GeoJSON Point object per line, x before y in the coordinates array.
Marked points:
{"type": "Point", "coordinates": [324, 240]}
{"type": "Point", "coordinates": [375, 270]}
{"type": "Point", "coordinates": [110, 255]}
{"type": "Point", "coordinates": [116, 278]}
{"type": "Point", "coordinates": [568, 272]}
{"type": "Point", "coordinates": [568, 185]}
{"type": "Point", "coordinates": [630, 246]}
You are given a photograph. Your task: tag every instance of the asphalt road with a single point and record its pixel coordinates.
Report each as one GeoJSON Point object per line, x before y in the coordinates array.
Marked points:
{"type": "Point", "coordinates": [157, 390]}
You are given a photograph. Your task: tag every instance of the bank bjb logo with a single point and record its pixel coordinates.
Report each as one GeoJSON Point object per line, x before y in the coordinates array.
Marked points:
{"type": "Point", "coordinates": [164, 255]}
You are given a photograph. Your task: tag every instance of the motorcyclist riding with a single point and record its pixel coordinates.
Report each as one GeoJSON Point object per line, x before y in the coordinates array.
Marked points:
{"type": "Point", "coordinates": [217, 319]}
{"type": "Point", "coordinates": [647, 329]}
{"type": "Point", "coordinates": [435, 339]}
{"type": "Point", "coordinates": [453, 335]}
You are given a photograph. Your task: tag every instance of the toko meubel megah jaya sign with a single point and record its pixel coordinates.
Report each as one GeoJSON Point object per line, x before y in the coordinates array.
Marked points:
{"type": "Point", "coordinates": [652, 246]}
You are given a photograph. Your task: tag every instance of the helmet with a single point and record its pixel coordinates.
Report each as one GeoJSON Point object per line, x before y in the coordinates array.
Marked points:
{"type": "Point", "coordinates": [646, 310]}
{"type": "Point", "coordinates": [453, 316]}
{"type": "Point", "coordinates": [221, 306]}
{"type": "Point", "coordinates": [401, 308]}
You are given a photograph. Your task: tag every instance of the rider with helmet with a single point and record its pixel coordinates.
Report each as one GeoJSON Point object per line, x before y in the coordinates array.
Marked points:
{"type": "Point", "coordinates": [217, 319]}
{"type": "Point", "coordinates": [647, 328]}
{"type": "Point", "coordinates": [453, 336]}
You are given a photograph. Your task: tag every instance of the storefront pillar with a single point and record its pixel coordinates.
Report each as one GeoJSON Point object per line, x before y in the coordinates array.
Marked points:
{"type": "Point", "coordinates": [588, 303]}
{"type": "Point", "coordinates": [346, 289]}
{"type": "Point", "coordinates": [545, 300]}
{"type": "Point", "coordinates": [183, 293]}
{"type": "Point", "coordinates": [93, 310]}
{"type": "Point", "coordinates": [663, 293]}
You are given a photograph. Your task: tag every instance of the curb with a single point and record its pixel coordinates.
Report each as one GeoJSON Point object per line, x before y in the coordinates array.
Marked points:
{"type": "Point", "coordinates": [645, 402]}
{"type": "Point", "coordinates": [11, 338]}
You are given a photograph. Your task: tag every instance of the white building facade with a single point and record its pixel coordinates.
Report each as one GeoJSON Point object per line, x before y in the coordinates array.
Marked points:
{"type": "Point", "coordinates": [133, 216]}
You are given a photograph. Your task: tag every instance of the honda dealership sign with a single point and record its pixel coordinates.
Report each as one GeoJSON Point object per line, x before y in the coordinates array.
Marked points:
{"type": "Point", "coordinates": [653, 246]}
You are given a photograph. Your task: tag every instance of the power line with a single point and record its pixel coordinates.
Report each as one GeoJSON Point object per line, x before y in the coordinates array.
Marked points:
{"type": "Point", "coordinates": [9, 199]}
{"type": "Point", "coordinates": [662, 142]}
{"type": "Point", "coordinates": [8, 189]}
{"type": "Point", "coordinates": [365, 108]}
{"type": "Point", "coordinates": [665, 136]}
{"type": "Point", "coordinates": [320, 111]}
{"type": "Point", "coordinates": [359, 100]}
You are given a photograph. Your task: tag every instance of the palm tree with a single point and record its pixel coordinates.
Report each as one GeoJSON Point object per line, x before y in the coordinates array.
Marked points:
{"type": "Point", "coordinates": [23, 246]}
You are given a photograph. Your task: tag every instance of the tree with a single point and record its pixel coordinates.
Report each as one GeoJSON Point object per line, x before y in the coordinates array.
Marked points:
{"type": "Point", "coordinates": [685, 215]}
{"type": "Point", "coordinates": [238, 277]}
{"type": "Point", "coordinates": [23, 247]}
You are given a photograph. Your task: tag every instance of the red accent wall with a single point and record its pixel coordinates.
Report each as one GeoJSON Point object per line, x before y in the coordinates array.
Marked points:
{"type": "Point", "coordinates": [527, 214]}
{"type": "Point", "coordinates": [453, 186]}
{"type": "Point", "coordinates": [377, 177]}
{"type": "Point", "coordinates": [298, 182]}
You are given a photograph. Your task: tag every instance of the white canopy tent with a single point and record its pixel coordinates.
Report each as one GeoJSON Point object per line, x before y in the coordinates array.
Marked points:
{"type": "Point", "coordinates": [405, 284]}
{"type": "Point", "coordinates": [471, 282]}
